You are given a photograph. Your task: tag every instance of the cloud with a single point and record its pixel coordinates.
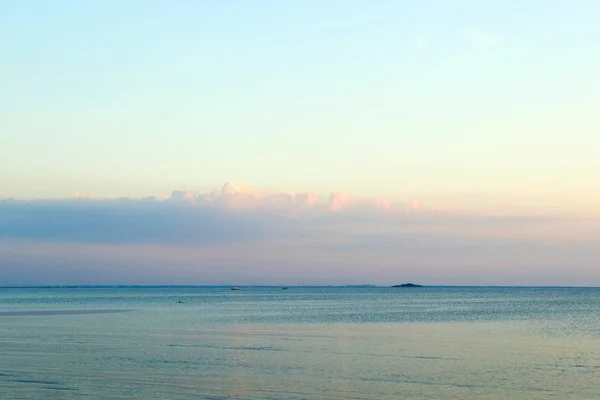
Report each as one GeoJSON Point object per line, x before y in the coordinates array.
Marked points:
{"type": "Point", "coordinates": [338, 201]}
{"type": "Point", "coordinates": [242, 197]}
{"type": "Point", "coordinates": [239, 234]}
{"type": "Point", "coordinates": [123, 221]}
{"type": "Point", "coordinates": [233, 196]}
{"type": "Point", "coordinates": [238, 212]}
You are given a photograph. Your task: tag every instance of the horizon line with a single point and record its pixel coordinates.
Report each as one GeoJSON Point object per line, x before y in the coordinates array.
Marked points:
{"type": "Point", "coordinates": [358, 286]}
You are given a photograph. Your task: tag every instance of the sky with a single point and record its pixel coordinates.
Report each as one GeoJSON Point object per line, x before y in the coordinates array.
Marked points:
{"type": "Point", "coordinates": [465, 131]}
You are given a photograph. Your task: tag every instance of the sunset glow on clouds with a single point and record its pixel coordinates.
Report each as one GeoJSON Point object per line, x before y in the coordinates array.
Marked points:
{"type": "Point", "coordinates": [238, 234]}
{"type": "Point", "coordinates": [239, 197]}
{"type": "Point", "coordinates": [232, 196]}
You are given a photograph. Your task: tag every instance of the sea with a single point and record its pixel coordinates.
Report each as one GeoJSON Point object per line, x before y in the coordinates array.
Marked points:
{"type": "Point", "coordinates": [309, 343]}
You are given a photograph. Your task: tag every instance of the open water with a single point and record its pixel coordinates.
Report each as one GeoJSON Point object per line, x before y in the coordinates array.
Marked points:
{"type": "Point", "coordinates": [300, 343]}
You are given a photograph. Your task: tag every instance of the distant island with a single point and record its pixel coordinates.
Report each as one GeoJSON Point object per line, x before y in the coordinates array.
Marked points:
{"type": "Point", "coordinates": [408, 285]}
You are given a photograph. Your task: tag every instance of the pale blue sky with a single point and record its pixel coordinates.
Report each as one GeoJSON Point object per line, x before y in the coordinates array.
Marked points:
{"type": "Point", "coordinates": [388, 97]}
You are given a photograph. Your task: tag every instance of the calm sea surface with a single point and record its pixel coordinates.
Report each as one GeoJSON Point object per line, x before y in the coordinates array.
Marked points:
{"type": "Point", "coordinates": [301, 343]}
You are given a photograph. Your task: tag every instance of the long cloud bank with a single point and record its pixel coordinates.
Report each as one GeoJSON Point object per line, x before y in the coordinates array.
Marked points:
{"type": "Point", "coordinates": [244, 235]}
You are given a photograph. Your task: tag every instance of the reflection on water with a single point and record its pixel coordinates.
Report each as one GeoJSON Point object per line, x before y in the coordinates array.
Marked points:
{"type": "Point", "coordinates": [57, 312]}
{"type": "Point", "coordinates": [304, 343]}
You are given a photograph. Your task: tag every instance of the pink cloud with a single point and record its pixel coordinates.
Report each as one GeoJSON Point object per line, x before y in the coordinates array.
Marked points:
{"type": "Point", "coordinates": [242, 197]}
{"type": "Point", "coordinates": [338, 201]}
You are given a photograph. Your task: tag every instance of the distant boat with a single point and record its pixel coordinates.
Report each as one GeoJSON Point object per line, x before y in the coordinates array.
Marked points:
{"type": "Point", "coordinates": [284, 288]}
{"type": "Point", "coordinates": [235, 288]}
